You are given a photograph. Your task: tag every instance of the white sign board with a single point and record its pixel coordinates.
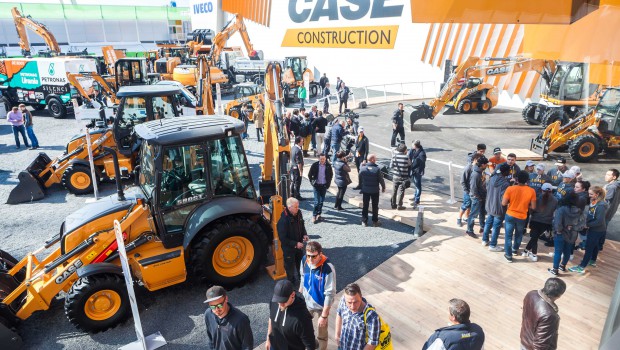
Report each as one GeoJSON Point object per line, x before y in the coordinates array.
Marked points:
{"type": "Point", "coordinates": [204, 14]}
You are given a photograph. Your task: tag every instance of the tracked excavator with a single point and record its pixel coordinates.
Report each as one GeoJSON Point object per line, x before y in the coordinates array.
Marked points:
{"type": "Point", "coordinates": [23, 22]}
{"type": "Point", "coordinates": [137, 104]}
{"type": "Point", "coordinates": [193, 212]}
{"type": "Point", "coordinates": [587, 135]}
{"type": "Point", "coordinates": [465, 91]}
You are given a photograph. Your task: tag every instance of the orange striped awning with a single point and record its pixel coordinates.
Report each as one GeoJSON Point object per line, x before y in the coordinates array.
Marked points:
{"type": "Point", "coordinates": [258, 11]}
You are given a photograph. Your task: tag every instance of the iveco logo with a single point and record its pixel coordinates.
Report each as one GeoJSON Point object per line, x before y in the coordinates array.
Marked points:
{"type": "Point", "coordinates": [330, 9]}
{"type": "Point", "coordinates": [498, 70]}
{"type": "Point", "coordinates": [51, 70]}
{"type": "Point", "coordinates": [205, 7]}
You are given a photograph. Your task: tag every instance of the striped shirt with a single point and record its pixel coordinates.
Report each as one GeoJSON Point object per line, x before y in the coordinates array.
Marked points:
{"type": "Point", "coordinates": [353, 336]}
{"type": "Point", "coordinates": [400, 166]}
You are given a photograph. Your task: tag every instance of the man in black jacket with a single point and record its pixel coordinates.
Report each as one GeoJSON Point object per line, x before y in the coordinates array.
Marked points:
{"type": "Point", "coordinates": [292, 231]}
{"type": "Point", "coordinates": [297, 167]}
{"type": "Point", "coordinates": [398, 126]}
{"type": "Point", "coordinates": [227, 327]}
{"type": "Point", "coordinates": [478, 194]}
{"type": "Point", "coordinates": [370, 178]}
{"type": "Point", "coordinates": [461, 334]}
{"type": "Point", "coordinates": [417, 155]}
{"type": "Point", "coordinates": [361, 153]}
{"type": "Point", "coordinates": [290, 322]}
{"type": "Point", "coordinates": [320, 176]}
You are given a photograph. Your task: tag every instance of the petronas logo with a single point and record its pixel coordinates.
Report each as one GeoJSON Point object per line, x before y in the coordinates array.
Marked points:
{"type": "Point", "coordinates": [51, 70]}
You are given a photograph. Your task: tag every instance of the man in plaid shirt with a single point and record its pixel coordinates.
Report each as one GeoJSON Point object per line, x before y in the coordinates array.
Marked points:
{"type": "Point", "coordinates": [352, 333]}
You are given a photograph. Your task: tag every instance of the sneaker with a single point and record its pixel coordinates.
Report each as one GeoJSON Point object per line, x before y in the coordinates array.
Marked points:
{"type": "Point", "coordinates": [365, 224]}
{"type": "Point", "coordinates": [571, 257]}
{"type": "Point", "coordinates": [525, 253]}
{"type": "Point", "coordinates": [562, 268]}
{"type": "Point", "coordinates": [592, 263]}
{"type": "Point", "coordinates": [414, 205]}
{"type": "Point", "coordinates": [481, 231]}
{"type": "Point", "coordinates": [401, 208]}
{"type": "Point", "coordinates": [393, 207]}
{"type": "Point", "coordinates": [459, 222]}
{"type": "Point", "coordinates": [515, 252]}
{"type": "Point", "coordinates": [508, 258]}
{"type": "Point", "coordinates": [553, 271]}
{"type": "Point", "coordinates": [532, 257]}
{"type": "Point", "coordinates": [496, 249]}
{"type": "Point", "coordinates": [485, 243]}
{"type": "Point", "coordinates": [314, 219]}
{"type": "Point", "coordinates": [377, 224]}
{"type": "Point", "coordinates": [471, 234]}
{"type": "Point", "coordinates": [577, 269]}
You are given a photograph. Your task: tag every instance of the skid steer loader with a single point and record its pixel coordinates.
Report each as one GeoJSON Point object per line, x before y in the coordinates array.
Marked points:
{"type": "Point", "coordinates": [137, 105]}
{"type": "Point", "coordinates": [194, 211]}
{"type": "Point", "coordinates": [588, 134]}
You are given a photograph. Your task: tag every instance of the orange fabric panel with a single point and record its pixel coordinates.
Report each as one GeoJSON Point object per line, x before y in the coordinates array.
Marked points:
{"type": "Point", "coordinates": [465, 42]}
{"type": "Point", "coordinates": [429, 37]}
{"type": "Point", "coordinates": [472, 49]}
{"type": "Point", "coordinates": [455, 41]}
{"type": "Point", "coordinates": [445, 44]}
{"type": "Point", "coordinates": [258, 11]}
{"type": "Point", "coordinates": [533, 85]}
{"type": "Point", "coordinates": [500, 38]}
{"type": "Point", "coordinates": [438, 37]}
{"type": "Point", "coordinates": [520, 83]}
{"type": "Point", "coordinates": [487, 40]}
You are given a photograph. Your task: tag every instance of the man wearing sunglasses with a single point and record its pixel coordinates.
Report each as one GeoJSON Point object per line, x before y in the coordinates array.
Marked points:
{"type": "Point", "coordinates": [318, 286]}
{"type": "Point", "coordinates": [227, 327]}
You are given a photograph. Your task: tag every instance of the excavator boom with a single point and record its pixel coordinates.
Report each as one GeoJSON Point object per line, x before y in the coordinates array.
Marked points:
{"type": "Point", "coordinates": [40, 29]}
{"type": "Point", "coordinates": [203, 87]}
{"type": "Point", "coordinates": [219, 41]}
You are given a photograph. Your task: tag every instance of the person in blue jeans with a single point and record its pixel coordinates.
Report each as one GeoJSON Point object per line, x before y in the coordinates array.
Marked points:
{"type": "Point", "coordinates": [496, 186]}
{"type": "Point", "coordinates": [465, 177]}
{"type": "Point", "coordinates": [478, 194]}
{"type": "Point", "coordinates": [597, 227]}
{"type": "Point", "coordinates": [320, 176]}
{"type": "Point", "coordinates": [417, 155]}
{"type": "Point", "coordinates": [16, 119]}
{"type": "Point", "coordinates": [519, 199]}
{"type": "Point", "coordinates": [566, 227]}
{"type": "Point", "coordinates": [34, 142]}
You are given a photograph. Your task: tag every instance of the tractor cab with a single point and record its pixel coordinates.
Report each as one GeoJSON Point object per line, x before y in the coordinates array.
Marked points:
{"type": "Point", "coordinates": [568, 83]}
{"type": "Point", "coordinates": [608, 110]}
{"type": "Point", "coordinates": [199, 160]}
{"type": "Point", "coordinates": [298, 65]}
{"type": "Point", "coordinates": [131, 71]}
{"type": "Point", "coordinates": [246, 90]}
{"type": "Point", "coordinates": [140, 104]}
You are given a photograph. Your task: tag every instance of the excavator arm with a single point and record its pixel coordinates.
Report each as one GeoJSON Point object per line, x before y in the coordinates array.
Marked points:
{"type": "Point", "coordinates": [40, 29]}
{"type": "Point", "coordinates": [74, 79]}
{"type": "Point", "coordinates": [219, 41]}
{"type": "Point", "coordinates": [203, 87]}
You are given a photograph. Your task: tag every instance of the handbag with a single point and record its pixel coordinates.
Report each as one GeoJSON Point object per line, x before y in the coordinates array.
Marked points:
{"type": "Point", "coordinates": [347, 178]}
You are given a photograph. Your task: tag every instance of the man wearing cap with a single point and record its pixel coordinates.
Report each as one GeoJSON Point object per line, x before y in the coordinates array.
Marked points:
{"type": "Point", "coordinates": [292, 232]}
{"type": "Point", "coordinates": [417, 155]}
{"type": "Point", "coordinates": [398, 127]}
{"type": "Point", "coordinates": [577, 170]}
{"type": "Point", "coordinates": [318, 287]}
{"type": "Point", "coordinates": [556, 174]}
{"type": "Point", "coordinates": [496, 187]}
{"type": "Point", "coordinates": [227, 327]}
{"type": "Point", "coordinates": [565, 188]}
{"type": "Point", "coordinates": [361, 153]}
{"type": "Point", "coordinates": [519, 199]}
{"type": "Point", "coordinates": [478, 194]}
{"type": "Point", "coordinates": [511, 160]}
{"type": "Point", "coordinates": [529, 166]}
{"type": "Point", "coordinates": [538, 178]}
{"type": "Point", "coordinates": [290, 322]}
{"type": "Point", "coordinates": [496, 159]}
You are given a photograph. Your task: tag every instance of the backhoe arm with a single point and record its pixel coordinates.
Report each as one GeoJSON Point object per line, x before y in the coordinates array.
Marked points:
{"type": "Point", "coordinates": [40, 29]}
{"type": "Point", "coordinates": [219, 41]}
{"type": "Point", "coordinates": [203, 87]}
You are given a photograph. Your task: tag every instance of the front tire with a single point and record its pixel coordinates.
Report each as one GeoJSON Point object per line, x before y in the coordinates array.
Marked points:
{"type": "Point", "coordinates": [97, 303]}
{"type": "Point", "coordinates": [484, 106]}
{"type": "Point", "coordinates": [465, 106]}
{"type": "Point", "coordinates": [553, 115]}
{"type": "Point", "coordinates": [529, 113]}
{"type": "Point", "coordinates": [314, 90]}
{"type": "Point", "coordinates": [235, 112]}
{"type": "Point", "coordinates": [56, 108]}
{"type": "Point", "coordinates": [228, 253]}
{"type": "Point", "coordinates": [584, 149]}
{"type": "Point", "coordinates": [77, 179]}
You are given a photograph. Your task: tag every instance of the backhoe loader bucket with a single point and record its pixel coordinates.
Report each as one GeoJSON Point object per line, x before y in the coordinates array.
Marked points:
{"type": "Point", "coordinates": [415, 113]}
{"type": "Point", "coordinates": [28, 189]}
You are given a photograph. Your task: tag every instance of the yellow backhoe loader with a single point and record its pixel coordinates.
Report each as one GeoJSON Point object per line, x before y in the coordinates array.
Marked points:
{"type": "Point", "coordinates": [245, 93]}
{"type": "Point", "coordinates": [193, 211]}
{"type": "Point", "coordinates": [465, 90]}
{"type": "Point", "coordinates": [586, 136]}
{"type": "Point", "coordinates": [295, 67]}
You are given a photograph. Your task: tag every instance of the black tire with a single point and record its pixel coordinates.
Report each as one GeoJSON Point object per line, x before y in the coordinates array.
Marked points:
{"type": "Point", "coordinates": [81, 295]}
{"type": "Point", "coordinates": [56, 108]}
{"type": "Point", "coordinates": [585, 148]}
{"type": "Point", "coordinates": [465, 106]}
{"type": "Point", "coordinates": [38, 107]}
{"type": "Point", "coordinates": [484, 106]}
{"type": "Point", "coordinates": [235, 112]}
{"type": "Point", "coordinates": [314, 90]}
{"type": "Point", "coordinates": [553, 115]}
{"type": "Point", "coordinates": [528, 114]}
{"type": "Point", "coordinates": [234, 231]}
{"type": "Point", "coordinates": [74, 179]}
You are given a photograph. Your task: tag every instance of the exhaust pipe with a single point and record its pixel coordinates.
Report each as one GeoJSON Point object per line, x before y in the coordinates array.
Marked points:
{"type": "Point", "coordinates": [117, 171]}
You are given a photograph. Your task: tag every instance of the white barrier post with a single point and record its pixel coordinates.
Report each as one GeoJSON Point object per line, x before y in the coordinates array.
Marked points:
{"type": "Point", "coordinates": [450, 178]}
{"type": "Point", "coordinates": [419, 223]}
{"type": "Point", "coordinates": [366, 89]}
{"type": "Point", "coordinates": [402, 92]}
{"type": "Point", "coordinates": [93, 173]}
{"type": "Point", "coordinates": [384, 93]}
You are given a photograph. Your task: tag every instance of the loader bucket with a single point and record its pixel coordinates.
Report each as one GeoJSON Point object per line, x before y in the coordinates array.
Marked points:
{"type": "Point", "coordinates": [28, 189]}
{"type": "Point", "coordinates": [415, 113]}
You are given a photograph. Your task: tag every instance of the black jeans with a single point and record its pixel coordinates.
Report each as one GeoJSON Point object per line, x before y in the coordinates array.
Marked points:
{"type": "Point", "coordinates": [398, 191]}
{"type": "Point", "coordinates": [295, 183]}
{"type": "Point", "coordinates": [340, 196]}
{"type": "Point", "coordinates": [20, 129]}
{"type": "Point", "coordinates": [367, 197]}
{"type": "Point", "coordinates": [343, 101]}
{"type": "Point", "coordinates": [536, 229]}
{"type": "Point", "coordinates": [259, 133]}
{"type": "Point", "coordinates": [399, 131]}
{"type": "Point", "coordinates": [292, 262]}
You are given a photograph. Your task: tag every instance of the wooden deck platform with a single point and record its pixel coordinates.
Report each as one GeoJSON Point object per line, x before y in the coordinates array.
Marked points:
{"type": "Point", "coordinates": [411, 290]}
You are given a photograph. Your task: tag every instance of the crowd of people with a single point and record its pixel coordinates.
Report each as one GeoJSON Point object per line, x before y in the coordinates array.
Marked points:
{"type": "Point", "coordinates": [559, 206]}
{"type": "Point", "coordinates": [20, 119]}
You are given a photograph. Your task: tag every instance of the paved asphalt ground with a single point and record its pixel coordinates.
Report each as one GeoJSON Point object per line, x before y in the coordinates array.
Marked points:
{"type": "Point", "coordinates": [177, 312]}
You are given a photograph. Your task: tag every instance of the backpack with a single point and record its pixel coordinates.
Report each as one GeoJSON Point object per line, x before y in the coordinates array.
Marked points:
{"type": "Point", "coordinates": [385, 336]}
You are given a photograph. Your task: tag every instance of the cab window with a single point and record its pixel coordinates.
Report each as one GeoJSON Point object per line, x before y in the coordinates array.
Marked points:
{"type": "Point", "coordinates": [182, 179]}
{"type": "Point", "coordinates": [229, 169]}
{"type": "Point", "coordinates": [162, 107]}
{"type": "Point", "coordinates": [134, 112]}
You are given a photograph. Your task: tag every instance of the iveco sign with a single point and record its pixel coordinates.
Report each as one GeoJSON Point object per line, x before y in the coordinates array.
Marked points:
{"type": "Point", "coordinates": [300, 11]}
{"type": "Point", "coordinates": [204, 14]}
{"type": "Point", "coordinates": [203, 7]}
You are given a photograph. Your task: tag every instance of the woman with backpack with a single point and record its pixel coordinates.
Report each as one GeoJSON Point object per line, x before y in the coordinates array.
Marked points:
{"type": "Point", "coordinates": [566, 222]}
{"type": "Point", "coordinates": [540, 219]}
{"type": "Point", "coordinates": [596, 228]}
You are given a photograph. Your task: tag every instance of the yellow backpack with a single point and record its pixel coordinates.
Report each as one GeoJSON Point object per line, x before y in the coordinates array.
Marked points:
{"type": "Point", "coordinates": [385, 336]}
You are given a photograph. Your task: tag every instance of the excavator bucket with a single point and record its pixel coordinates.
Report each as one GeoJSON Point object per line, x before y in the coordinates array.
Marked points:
{"type": "Point", "coordinates": [28, 189]}
{"type": "Point", "coordinates": [416, 113]}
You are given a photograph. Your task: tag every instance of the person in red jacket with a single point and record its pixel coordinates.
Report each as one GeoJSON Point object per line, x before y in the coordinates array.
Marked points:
{"type": "Point", "coordinates": [540, 323]}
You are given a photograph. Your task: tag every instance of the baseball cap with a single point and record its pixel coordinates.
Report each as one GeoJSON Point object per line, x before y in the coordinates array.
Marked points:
{"type": "Point", "coordinates": [497, 150]}
{"type": "Point", "coordinates": [569, 174]}
{"type": "Point", "coordinates": [540, 166]}
{"type": "Point", "coordinates": [547, 187]}
{"type": "Point", "coordinates": [215, 293]}
{"type": "Point", "coordinates": [560, 161]}
{"type": "Point", "coordinates": [360, 129]}
{"type": "Point", "coordinates": [503, 168]}
{"type": "Point", "coordinates": [282, 291]}
{"type": "Point", "coordinates": [575, 169]}
{"type": "Point", "coordinates": [530, 163]}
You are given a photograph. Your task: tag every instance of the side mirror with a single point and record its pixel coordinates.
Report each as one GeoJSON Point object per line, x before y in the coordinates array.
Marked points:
{"type": "Point", "coordinates": [136, 175]}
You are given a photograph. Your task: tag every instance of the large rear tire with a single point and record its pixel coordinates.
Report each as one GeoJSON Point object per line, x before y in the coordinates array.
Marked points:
{"type": "Point", "coordinates": [528, 113]}
{"type": "Point", "coordinates": [314, 90]}
{"type": "Point", "coordinates": [465, 106]}
{"type": "Point", "coordinates": [77, 179]}
{"type": "Point", "coordinates": [229, 253]}
{"type": "Point", "coordinates": [97, 303]}
{"type": "Point", "coordinates": [584, 149]}
{"type": "Point", "coordinates": [235, 112]}
{"type": "Point", "coordinates": [553, 115]}
{"type": "Point", "coordinates": [56, 108]}
{"type": "Point", "coordinates": [484, 106]}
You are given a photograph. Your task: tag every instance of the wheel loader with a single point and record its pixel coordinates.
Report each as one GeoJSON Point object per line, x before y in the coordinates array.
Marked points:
{"type": "Point", "coordinates": [586, 136]}
{"type": "Point", "coordinates": [249, 93]}
{"type": "Point", "coordinates": [193, 211]}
